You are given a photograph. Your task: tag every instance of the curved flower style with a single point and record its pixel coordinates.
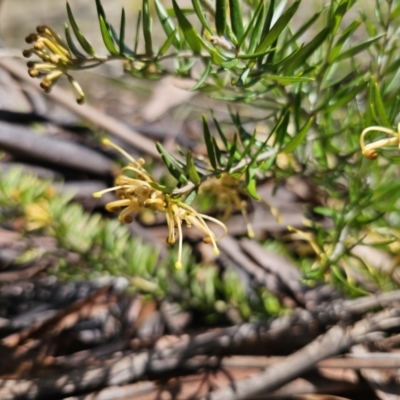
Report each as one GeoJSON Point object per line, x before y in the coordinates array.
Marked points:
{"type": "Point", "coordinates": [369, 150]}
{"type": "Point", "coordinates": [141, 192]}
{"type": "Point", "coordinates": [56, 60]}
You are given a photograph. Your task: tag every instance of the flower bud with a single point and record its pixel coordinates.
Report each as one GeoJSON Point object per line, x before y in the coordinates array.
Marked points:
{"type": "Point", "coordinates": [33, 73]}
{"type": "Point", "coordinates": [27, 53]}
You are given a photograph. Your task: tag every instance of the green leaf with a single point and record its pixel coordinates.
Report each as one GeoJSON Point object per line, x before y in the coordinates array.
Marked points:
{"type": "Point", "coordinates": [209, 143]}
{"type": "Point", "coordinates": [147, 26]}
{"type": "Point", "coordinates": [126, 51]}
{"type": "Point", "coordinates": [100, 9]}
{"type": "Point", "coordinates": [280, 128]}
{"type": "Point", "coordinates": [81, 39]}
{"type": "Point", "coordinates": [268, 19]}
{"type": "Point", "coordinates": [394, 84]}
{"type": "Point", "coordinates": [357, 49]}
{"type": "Point", "coordinates": [166, 22]}
{"type": "Point", "coordinates": [250, 144]}
{"type": "Point", "coordinates": [395, 13]}
{"type": "Point", "coordinates": [251, 183]}
{"type": "Point", "coordinates": [288, 80]}
{"type": "Point", "coordinates": [305, 27]}
{"type": "Point", "coordinates": [220, 133]}
{"type": "Point", "coordinates": [339, 13]}
{"type": "Point", "coordinates": [295, 141]}
{"type": "Point", "coordinates": [121, 43]}
{"type": "Point", "coordinates": [232, 153]}
{"type": "Point", "coordinates": [174, 166]}
{"type": "Point", "coordinates": [191, 170]}
{"type": "Point", "coordinates": [380, 108]}
{"type": "Point", "coordinates": [137, 36]}
{"type": "Point", "coordinates": [71, 45]}
{"type": "Point", "coordinates": [220, 17]}
{"type": "Point", "coordinates": [342, 40]}
{"type": "Point", "coordinates": [258, 27]}
{"type": "Point", "coordinates": [200, 15]}
{"type": "Point", "coordinates": [301, 56]}
{"type": "Point", "coordinates": [105, 29]}
{"type": "Point", "coordinates": [189, 32]}
{"type": "Point", "coordinates": [164, 48]}
{"type": "Point", "coordinates": [277, 29]}
{"type": "Point", "coordinates": [203, 76]}
{"type": "Point", "coordinates": [236, 18]}
{"type": "Point", "coordinates": [107, 37]}
{"type": "Point", "coordinates": [189, 199]}
{"type": "Point", "coordinates": [251, 56]}
{"type": "Point", "coordinates": [346, 98]}
{"type": "Point", "coordinates": [251, 26]}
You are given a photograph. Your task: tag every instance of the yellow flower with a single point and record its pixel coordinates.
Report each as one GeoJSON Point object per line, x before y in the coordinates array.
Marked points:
{"type": "Point", "coordinates": [141, 192]}
{"type": "Point", "coordinates": [56, 57]}
{"type": "Point", "coordinates": [369, 150]}
{"type": "Point", "coordinates": [227, 191]}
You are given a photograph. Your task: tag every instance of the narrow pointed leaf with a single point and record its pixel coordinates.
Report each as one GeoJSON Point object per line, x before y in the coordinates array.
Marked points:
{"type": "Point", "coordinates": [279, 26]}
{"type": "Point", "coordinates": [251, 183]}
{"type": "Point", "coordinates": [251, 56]}
{"type": "Point", "coordinates": [357, 49]}
{"type": "Point", "coordinates": [121, 44]}
{"type": "Point", "coordinates": [343, 100]}
{"type": "Point", "coordinates": [100, 9]}
{"type": "Point", "coordinates": [147, 25]}
{"type": "Point", "coordinates": [71, 45]}
{"type": "Point", "coordinates": [280, 129]}
{"type": "Point", "coordinates": [187, 29]}
{"type": "Point", "coordinates": [295, 141]}
{"type": "Point", "coordinates": [342, 39]}
{"type": "Point", "coordinates": [220, 133]}
{"type": "Point", "coordinates": [81, 39]}
{"type": "Point", "coordinates": [305, 52]}
{"type": "Point", "coordinates": [232, 153]}
{"type": "Point", "coordinates": [268, 19]}
{"type": "Point", "coordinates": [236, 18]}
{"type": "Point", "coordinates": [305, 26]}
{"type": "Point", "coordinates": [258, 26]}
{"type": "Point", "coordinates": [340, 11]}
{"type": "Point", "coordinates": [209, 143]}
{"type": "Point", "coordinates": [220, 17]}
{"type": "Point", "coordinates": [198, 8]}
{"type": "Point", "coordinates": [166, 22]}
{"type": "Point", "coordinates": [107, 37]}
{"type": "Point", "coordinates": [137, 36]}
{"type": "Point", "coordinates": [288, 80]}
{"type": "Point", "coordinates": [250, 144]}
{"type": "Point", "coordinates": [394, 84]}
{"type": "Point", "coordinates": [380, 108]}
{"type": "Point", "coordinates": [165, 47]}
{"type": "Point", "coordinates": [251, 25]}
{"type": "Point", "coordinates": [170, 162]}
{"type": "Point", "coordinates": [189, 199]}
{"type": "Point", "coordinates": [191, 169]}
{"type": "Point", "coordinates": [203, 76]}
{"type": "Point", "coordinates": [126, 51]}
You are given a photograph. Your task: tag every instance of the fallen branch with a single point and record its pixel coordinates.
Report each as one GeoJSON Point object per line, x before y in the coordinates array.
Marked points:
{"type": "Point", "coordinates": [335, 341]}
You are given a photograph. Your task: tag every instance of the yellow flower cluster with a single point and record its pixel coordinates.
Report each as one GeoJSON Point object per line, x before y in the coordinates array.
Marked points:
{"type": "Point", "coordinates": [56, 60]}
{"type": "Point", "coordinates": [141, 192]}
{"type": "Point", "coordinates": [369, 150]}
{"type": "Point", "coordinates": [227, 191]}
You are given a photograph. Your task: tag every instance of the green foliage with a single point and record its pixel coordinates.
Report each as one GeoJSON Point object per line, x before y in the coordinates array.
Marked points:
{"type": "Point", "coordinates": [317, 87]}
{"type": "Point", "coordinates": [89, 246]}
